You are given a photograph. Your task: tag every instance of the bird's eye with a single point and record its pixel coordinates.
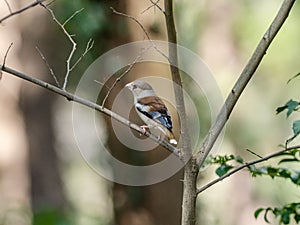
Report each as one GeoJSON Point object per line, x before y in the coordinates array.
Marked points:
{"type": "Point", "coordinates": [134, 86]}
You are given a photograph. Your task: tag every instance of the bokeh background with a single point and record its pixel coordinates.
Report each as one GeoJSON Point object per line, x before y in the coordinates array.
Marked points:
{"type": "Point", "coordinates": [43, 177]}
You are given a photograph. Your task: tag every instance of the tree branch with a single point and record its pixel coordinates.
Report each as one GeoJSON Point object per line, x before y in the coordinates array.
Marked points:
{"type": "Point", "coordinates": [237, 169]}
{"type": "Point", "coordinates": [143, 28]}
{"type": "Point", "coordinates": [74, 44]}
{"type": "Point", "coordinates": [21, 10]}
{"type": "Point", "coordinates": [155, 5]}
{"type": "Point", "coordinates": [48, 66]}
{"type": "Point", "coordinates": [6, 54]}
{"type": "Point", "coordinates": [243, 80]}
{"type": "Point", "coordinates": [8, 6]}
{"type": "Point", "coordinates": [92, 105]}
{"type": "Point", "coordinates": [130, 66]}
{"type": "Point", "coordinates": [190, 169]}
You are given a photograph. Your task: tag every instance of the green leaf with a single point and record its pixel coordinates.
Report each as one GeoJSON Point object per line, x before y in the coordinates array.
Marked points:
{"type": "Point", "coordinates": [296, 127]}
{"type": "Point", "coordinates": [288, 160]}
{"type": "Point", "coordinates": [266, 214]}
{"type": "Point", "coordinates": [257, 212]}
{"type": "Point", "coordinates": [298, 74]}
{"type": "Point", "coordinates": [272, 172]}
{"type": "Point", "coordinates": [239, 159]}
{"type": "Point", "coordinates": [280, 109]}
{"type": "Point", "coordinates": [296, 130]}
{"type": "Point", "coordinates": [295, 178]}
{"type": "Point", "coordinates": [284, 173]}
{"type": "Point", "coordinates": [285, 217]}
{"type": "Point", "coordinates": [291, 106]}
{"type": "Point", "coordinates": [223, 169]}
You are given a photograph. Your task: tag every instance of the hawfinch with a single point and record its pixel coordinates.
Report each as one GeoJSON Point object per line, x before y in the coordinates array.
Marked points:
{"type": "Point", "coordinates": [151, 109]}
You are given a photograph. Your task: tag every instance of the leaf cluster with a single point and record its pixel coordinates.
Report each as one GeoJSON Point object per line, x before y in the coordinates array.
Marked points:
{"type": "Point", "coordinates": [229, 162]}
{"type": "Point", "coordinates": [284, 213]}
{"type": "Point", "coordinates": [291, 106]}
{"type": "Point", "coordinates": [223, 162]}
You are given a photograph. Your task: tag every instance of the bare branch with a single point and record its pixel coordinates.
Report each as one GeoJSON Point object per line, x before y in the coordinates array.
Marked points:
{"type": "Point", "coordinates": [72, 16]}
{"type": "Point", "coordinates": [243, 80]}
{"type": "Point", "coordinates": [144, 30]}
{"type": "Point", "coordinates": [37, 2]}
{"type": "Point", "coordinates": [6, 53]}
{"type": "Point", "coordinates": [8, 6]}
{"type": "Point", "coordinates": [102, 83]}
{"type": "Point", "coordinates": [69, 67]}
{"type": "Point", "coordinates": [130, 66]}
{"type": "Point", "coordinates": [154, 4]}
{"type": "Point", "coordinates": [132, 18]}
{"type": "Point", "coordinates": [89, 46]}
{"type": "Point", "coordinates": [48, 66]}
{"type": "Point", "coordinates": [253, 153]}
{"type": "Point", "coordinates": [92, 105]}
{"type": "Point", "coordinates": [237, 169]}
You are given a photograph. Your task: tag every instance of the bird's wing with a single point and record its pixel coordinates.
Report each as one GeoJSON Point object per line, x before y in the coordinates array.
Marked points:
{"type": "Point", "coordinates": [154, 108]}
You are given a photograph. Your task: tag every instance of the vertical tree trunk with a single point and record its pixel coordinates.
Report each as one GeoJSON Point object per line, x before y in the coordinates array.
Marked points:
{"type": "Point", "coordinates": [157, 204]}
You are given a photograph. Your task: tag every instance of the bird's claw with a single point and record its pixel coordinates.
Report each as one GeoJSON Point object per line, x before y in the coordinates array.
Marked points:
{"type": "Point", "coordinates": [144, 127]}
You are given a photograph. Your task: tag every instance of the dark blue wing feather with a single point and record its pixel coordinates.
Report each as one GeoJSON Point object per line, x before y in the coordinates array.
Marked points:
{"type": "Point", "coordinates": [163, 118]}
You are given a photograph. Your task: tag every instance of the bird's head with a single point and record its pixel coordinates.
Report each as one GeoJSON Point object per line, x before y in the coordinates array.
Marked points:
{"type": "Point", "coordinates": [140, 89]}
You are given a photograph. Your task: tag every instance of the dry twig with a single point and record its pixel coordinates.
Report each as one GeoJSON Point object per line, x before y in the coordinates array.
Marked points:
{"type": "Point", "coordinates": [48, 66]}
{"type": "Point", "coordinates": [69, 66]}
{"type": "Point", "coordinates": [6, 53]}
{"type": "Point", "coordinates": [88, 47]}
{"type": "Point", "coordinates": [130, 66]}
{"type": "Point", "coordinates": [37, 2]}
{"type": "Point", "coordinates": [8, 6]}
{"type": "Point", "coordinates": [154, 4]}
{"type": "Point", "coordinates": [144, 30]}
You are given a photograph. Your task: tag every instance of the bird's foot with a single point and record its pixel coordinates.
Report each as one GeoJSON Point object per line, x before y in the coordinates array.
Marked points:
{"type": "Point", "coordinates": [144, 127]}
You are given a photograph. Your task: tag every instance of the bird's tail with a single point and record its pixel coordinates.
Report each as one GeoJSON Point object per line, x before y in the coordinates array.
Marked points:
{"type": "Point", "coordinates": [169, 134]}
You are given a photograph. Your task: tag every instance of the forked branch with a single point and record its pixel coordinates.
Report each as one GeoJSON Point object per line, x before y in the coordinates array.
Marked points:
{"type": "Point", "coordinates": [69, 66]}
{"type": "Point", "coordinates": [237, 169]}
{"type": "Point", "coordinates": [243, 80]}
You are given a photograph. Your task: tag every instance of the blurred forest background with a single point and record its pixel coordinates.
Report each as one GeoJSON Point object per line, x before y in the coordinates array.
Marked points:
{"type": "Point", "coordinates": [43, 178]}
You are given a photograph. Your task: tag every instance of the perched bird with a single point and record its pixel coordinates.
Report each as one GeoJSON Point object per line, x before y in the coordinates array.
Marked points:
{"type": "Point", "coordinates": [151, 109]}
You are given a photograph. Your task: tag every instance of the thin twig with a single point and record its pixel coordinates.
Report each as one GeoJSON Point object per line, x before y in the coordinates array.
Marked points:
{"type": "Point", "coordinates": [6, 53]}
{"type": "Point", "coordinates": [89, 46]}
{"type": "Point", "coordinates": [102, 83]}
{"type": "Point", "coordinates": [132, 18]}
{"type": "Point", "coordinates": [243, 80]}
{"type": "Point", "coordinates": [48, 66]}
{"type": "Point", "coordinates": [69, 67]}
{"type": "Point", "coordinates": [72, 16]}
{"type": "Point", "coordinates": [243, 166]}
{"type": "Point", "coordinates": [144, 30]}
{"type": "Point", "coordinates": [8, 6]}
{"type": "Point", "coordinates": [37, 2]}
{"type": "Point", "coordinates": [130, 66]}
{"type": "Point", "coordinates": [92, 105]}
{"type": "Point", "coordinates": [154, 4]}
{"type": "Point", "coordinates": [253, 153]}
